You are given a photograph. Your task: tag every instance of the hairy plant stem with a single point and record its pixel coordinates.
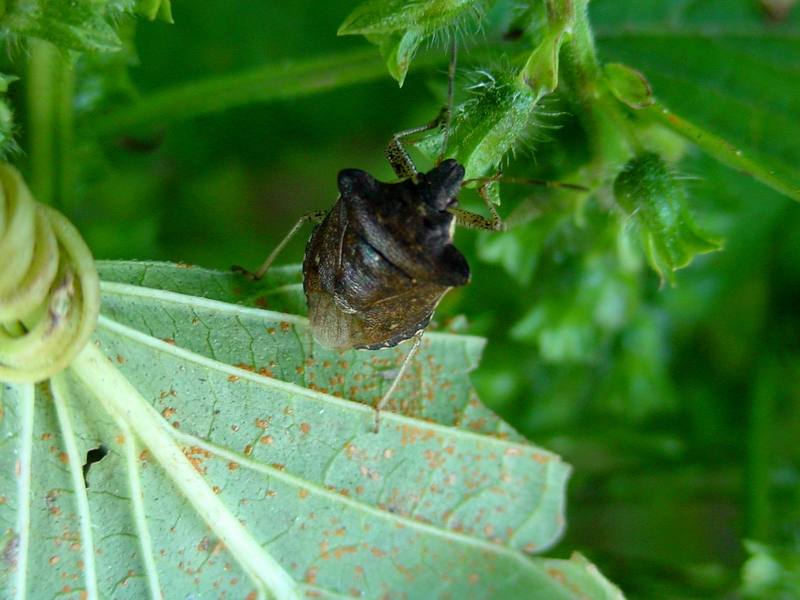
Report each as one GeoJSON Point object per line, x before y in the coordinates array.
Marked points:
{"type": "Point", "coordinates": [610, 135]}
{"type": "Point", "coordinates": [50, 122]}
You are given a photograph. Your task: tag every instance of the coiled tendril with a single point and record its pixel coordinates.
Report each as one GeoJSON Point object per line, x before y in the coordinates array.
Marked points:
{"type": "Point", "coordinates": [49, 289]}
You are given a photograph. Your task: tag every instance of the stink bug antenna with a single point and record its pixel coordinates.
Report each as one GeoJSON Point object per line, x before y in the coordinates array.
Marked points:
{"type": "Point", "coordinates": [447, 116]}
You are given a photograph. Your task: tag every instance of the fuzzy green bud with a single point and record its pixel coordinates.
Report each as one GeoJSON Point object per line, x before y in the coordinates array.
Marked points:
{"type": "Point", "coordinates": [650, 195]}
{"type": "Point", "coordinates": [494, 121]}
{"type": "Point", "coordinates": [629, 85]}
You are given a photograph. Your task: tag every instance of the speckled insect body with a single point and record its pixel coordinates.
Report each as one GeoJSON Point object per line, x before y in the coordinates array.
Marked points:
{"type": "Point", "coordinates": [383, 257]}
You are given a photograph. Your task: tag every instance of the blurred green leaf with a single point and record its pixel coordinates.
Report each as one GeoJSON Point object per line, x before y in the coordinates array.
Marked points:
{"type": "Point", "coordinates": [156, 9]}
{"type": "Point", "coordinates": [736, 76]}
{"type": "Point", "coordinates": [771, 573]}
{"type": "Point", "coordinates": [398, 50]}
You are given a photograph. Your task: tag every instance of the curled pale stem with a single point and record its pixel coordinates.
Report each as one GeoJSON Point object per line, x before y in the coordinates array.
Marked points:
{"type": "Point", "coordinates": [49, 290]}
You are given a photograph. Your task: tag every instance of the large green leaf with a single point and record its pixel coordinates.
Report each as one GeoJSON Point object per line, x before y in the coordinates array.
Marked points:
{"type": "Point", "coordinates": [232, 466]}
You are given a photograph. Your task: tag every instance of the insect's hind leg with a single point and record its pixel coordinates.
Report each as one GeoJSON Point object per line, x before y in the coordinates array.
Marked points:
{"type": "Point", "coordinates": [406, 361]}
{"type": "Point", "coordinates": [315, 216]}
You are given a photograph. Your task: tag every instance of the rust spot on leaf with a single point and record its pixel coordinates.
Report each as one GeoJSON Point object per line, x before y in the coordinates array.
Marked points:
{"type": "Point", "coordinates": [168, 412]}
{"type": "Point", "coordinates": [305, 427]}
{"type": "Point", "coordinates": [411, 434]}
{"type": "Point", "coordinates": [311, 575]}
{"type": "Point", "coordinates": [233, 378]}
{"type": "Point", "coordinates": [266, 439]}
{"type": "Point", "coordinates": [342, 550]}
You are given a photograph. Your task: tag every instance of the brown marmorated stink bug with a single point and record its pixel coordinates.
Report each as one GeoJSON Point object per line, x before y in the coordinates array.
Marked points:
{"type": "Point", "coordinates": [382, 258]}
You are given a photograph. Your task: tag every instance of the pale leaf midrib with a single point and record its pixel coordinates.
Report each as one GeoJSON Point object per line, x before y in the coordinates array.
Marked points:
{"type": "Point", "coordinates": [61, 397]}
{"type": "Point", "coordinates": [27, 396]}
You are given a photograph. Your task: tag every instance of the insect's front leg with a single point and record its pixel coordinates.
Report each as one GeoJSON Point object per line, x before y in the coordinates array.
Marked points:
{"type": "Point", "coordinates": [397, 155]}
{"type": "Point", "coordinates": [315, 216]}
{"type": "Point", "coordinates": [472, 220]}
{"type": "Point", "coordinates": [401, 162]}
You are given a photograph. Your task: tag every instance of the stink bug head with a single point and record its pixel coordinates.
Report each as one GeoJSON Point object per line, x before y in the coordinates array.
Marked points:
{"type": "Point", "coordinates": [439, 187]}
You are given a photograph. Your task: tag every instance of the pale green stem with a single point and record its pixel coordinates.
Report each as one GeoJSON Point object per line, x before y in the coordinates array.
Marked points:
{"type": "Point", "coordinates": [122, 401]}
{"type": "Point", "coordinates": [50, 83]}
{"type": "Point", "coordinates": [721, 150]}
{"type": "Point", "coordinates": [610, 135]}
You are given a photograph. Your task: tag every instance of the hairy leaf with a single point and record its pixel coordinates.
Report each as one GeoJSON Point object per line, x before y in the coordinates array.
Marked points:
{"type": "Point", "coordinates": [76, 25]}
{"type": "Point", "coordinates": [387, 16]}
{"type": "Point", "coordinates": [399, 27]}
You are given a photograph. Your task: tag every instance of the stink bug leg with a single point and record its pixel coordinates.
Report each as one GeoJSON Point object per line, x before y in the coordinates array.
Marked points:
{"type": "Point", "coordinates": [315, 217]}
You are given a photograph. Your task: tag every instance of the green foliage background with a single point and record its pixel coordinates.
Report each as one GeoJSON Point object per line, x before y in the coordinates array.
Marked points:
{"type": "Point", "coordinates": [678, 407]}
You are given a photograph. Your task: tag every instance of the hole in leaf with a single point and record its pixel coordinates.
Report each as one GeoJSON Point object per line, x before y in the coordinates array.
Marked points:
{"type": "Point", "coordinates": [93, 456]}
